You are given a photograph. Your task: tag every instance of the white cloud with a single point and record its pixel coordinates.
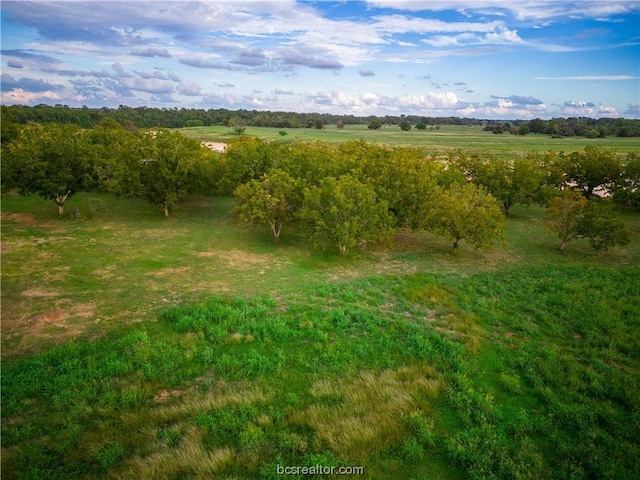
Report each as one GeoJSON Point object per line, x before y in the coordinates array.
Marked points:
{"type": "Point", "coordinates": [521, 9]}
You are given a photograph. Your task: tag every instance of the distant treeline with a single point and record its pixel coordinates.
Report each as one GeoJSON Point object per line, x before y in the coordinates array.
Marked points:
{"type": "Point", "coordinates": [146, 117]}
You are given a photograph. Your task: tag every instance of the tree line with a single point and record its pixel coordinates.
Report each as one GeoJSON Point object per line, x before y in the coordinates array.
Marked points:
{"type": "Point", "coordinates": [145, 117]}
{"type": "Point", "coordinates": [341, 197]}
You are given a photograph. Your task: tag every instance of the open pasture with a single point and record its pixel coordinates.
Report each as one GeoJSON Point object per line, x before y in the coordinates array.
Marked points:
{"type": "Point", "coordinates": [447, 138]}
{"type": "Point", "coordinates": [136, 346]}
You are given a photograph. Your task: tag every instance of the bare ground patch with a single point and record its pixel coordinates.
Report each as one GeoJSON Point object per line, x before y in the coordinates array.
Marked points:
{"type": "Point", "coordinates": [239, 259]}
{"type": "Point", "coordinates": [40, 292]}
{"type": "Point", "coordinates": [169, 271]}
{"type": "Point", "coordinates": [24, 218]}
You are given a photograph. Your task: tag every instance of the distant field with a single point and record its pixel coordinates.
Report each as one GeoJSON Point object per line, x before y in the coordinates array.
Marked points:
{"type": "Point", "coordinates": [447, 138]}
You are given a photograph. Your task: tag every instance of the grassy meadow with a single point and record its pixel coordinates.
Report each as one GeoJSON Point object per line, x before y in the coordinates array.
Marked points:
{"type": "Point", "coordinates": [445, 139]}
{"type": "Point", "coordinates": [136, 347]}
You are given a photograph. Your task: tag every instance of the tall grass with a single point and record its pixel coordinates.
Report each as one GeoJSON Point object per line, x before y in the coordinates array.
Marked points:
{"type": "Point", "coordinates": [379, 373]}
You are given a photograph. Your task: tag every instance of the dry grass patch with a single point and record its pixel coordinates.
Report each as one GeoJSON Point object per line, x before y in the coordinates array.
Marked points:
{"type": "Point", "coordinates": [169, 271]}
{"type": "Point", "coordinates": [188, 460]}
{"type": "Point", "coordinates": [239, 258]}
{"type": "Point", "coordinates": [357, 417]}
{"type": "Point", "coordinates": [40, 292]}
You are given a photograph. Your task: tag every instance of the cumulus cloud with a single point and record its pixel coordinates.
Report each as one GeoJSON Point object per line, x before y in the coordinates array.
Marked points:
{"type": "Point", "coordinates": [27, 84]}
{"type": "Point", "coordinates": [189, 88]}
{"type": "Point", "coordinates": [283, 91]}
{"type": "Point", "coordinates": [633, 110]}
{"type": "Point", "coordinates": [366, 73]}
{"type": "Point", "coordinates": [519, 100]}
{"type": "Point", "coordinates": [293, 57]}
{"type": "Point", "coordinates": [375, 103]}
{"type": "Point", "coordinates": [204, 63]}
{"type": "Point", "coordinates": [14, 64]}
{"type": "Point", "coordinates": [152, 52]}
{"type": "Point", "coordinates": [254, 57]}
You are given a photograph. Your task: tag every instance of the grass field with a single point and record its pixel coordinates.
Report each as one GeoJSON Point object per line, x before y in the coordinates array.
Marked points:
{"type": "Point", "coordinates": [139, 347]}
{"type": "Point", "coordinates": [445, 139]}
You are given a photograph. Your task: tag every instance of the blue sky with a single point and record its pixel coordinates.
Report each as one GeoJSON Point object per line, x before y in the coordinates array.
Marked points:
{"type": "Point", "coordinates": [468, 58]}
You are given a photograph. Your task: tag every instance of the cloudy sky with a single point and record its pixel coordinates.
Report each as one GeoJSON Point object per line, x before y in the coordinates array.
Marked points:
{"type": "Point", "coordinates": [474, 58]}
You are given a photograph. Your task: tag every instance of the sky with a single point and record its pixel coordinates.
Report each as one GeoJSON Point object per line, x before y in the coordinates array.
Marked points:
{"type": "Point", "coordinates": [488, 59]}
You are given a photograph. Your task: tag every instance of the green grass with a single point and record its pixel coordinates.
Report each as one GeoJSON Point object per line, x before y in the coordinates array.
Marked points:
{"type": "Point", "coordinates": [448, 138]}
{"type": "Point", "coordinates": [139, 347]}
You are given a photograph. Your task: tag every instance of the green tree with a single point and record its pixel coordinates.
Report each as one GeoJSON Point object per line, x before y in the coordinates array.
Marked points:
{"type": "Point", "coordinates": [116, 158]}
{"type": "Point", "coordinates": [627, 191]}
{"type": "Point", "coordinates": [374, 123]}
{"type": "Point", "coordinates": [509, 181]}
{"type": "Point", "coordinates": [405, 126]}
{"type": "Point", "coordinates": [593, 168]}
{"type": "Point", "coordinates": [466, 212]}
{"type": "Point", "coordinates": [345, 214]}
{"type": "Point", "coordinates": [275, 199]}
{"type": "Point", "coordinates": [248, 158]}
{"type": "Point", "coordinates": [421, 126]}
{"type": "Point", "coordinates": [602, 226]}
{"type": "Point", "coordinates": [167, 168]}
{"type": "Point", "coordinates": [50, 160]}
{"type": "Point", "coordinates": [572, 216]}
{"type": "Point", "coordinates": [564, 214]}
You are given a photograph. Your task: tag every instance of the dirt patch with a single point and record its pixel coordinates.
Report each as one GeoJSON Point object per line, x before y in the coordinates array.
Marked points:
{"type": "Point", "coordinates": [3, 247]}
{"type": "Point", "coordinates": [238, 258]}
{"type": "Point", "coordinates": [24, 218]}
{"type": "Point", "coordinates": [161, 233]}
{"type": "Point", "coordinates": [169, 271]}
{"type": "Point", "coordinates": [166, 394]}
{"type": "Point", "coordinates": [106, 272]}
{"type": "Point", "coordinates": [39, 292]}
{"type": "Point", "coordinates": [215, 146]}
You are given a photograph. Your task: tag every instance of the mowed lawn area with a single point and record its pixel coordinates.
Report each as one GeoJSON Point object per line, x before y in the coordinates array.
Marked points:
{"type": "Point", "coordinates": [135, 346]}
{"type": "Point", "coordinates": [446, 139]}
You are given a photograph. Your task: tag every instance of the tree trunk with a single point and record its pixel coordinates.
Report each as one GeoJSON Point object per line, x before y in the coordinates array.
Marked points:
{"type": "Point", "coordinates": [60, 199]}
{"type": "Point", "coordinates": [166, 211]}
{"type": "Point", "coordinates": [276, 229]}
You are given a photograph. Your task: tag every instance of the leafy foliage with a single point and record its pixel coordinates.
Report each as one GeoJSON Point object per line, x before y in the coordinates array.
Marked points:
{"type": "Point", "coordinates": [572, 216]}
{"type": "Point", "coordinates": [167, 167]}
{"type": "Point", "coordinates": [345, 214]}
{"type": "Point", "coordinates": [466, 212]}
{"type": "Point", "coordinates": [593, 168]}
{"type": "Point", "coordinates": [52, 160]}
{"type": "Point", "coordinates": [274, 199]}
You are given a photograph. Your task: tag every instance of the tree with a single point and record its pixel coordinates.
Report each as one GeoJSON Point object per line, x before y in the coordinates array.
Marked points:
{"type": "Point", "coordinates": [50, 160]}
{"type": "Point", "coordinates": [345, 214]}
{"type": "Point", "coordinates": [627, 191]}
{"type": "Point", "coordinates": [593, 168]}
{"type": "Point", "coordinates": [510, 181]}
{"type": "Point", "coordinates": [563, 216]}
{"type": "Point", "coordinates": [248, 158]}
{"type": "Point", "coordinates": [466, 212]}
{"type": "Point", "coordinates": [572, 216]}
{"type": "Point", "coordinates": [602, 226]}
{"type": "Point", "coordinates": [275, 199]}
{"type": "Point", "coordinates": [405, 126]}
{"type": "Point", "coordinates": [421, 126]}
{"type": "Point", "coordinates": [374, 123]}
{"type": "Point", "coordinates": [167, 168]}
